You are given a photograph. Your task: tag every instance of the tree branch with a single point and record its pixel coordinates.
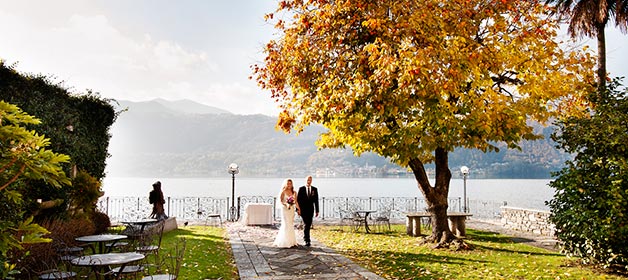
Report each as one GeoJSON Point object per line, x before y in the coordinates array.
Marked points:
{"type": "Point", "coordinates": [9, 164]}
{"type": "Point", "coordinates": [14, 177]}
{"type": "Point", "coordinates": [421, 176]}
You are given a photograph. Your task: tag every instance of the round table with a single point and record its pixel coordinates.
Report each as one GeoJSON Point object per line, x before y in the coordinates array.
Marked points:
{"type": "Point", "coordinates": [365, 214]}
{"type": "Point", "coordinates": [100, 239]}
{"type": "Point", "coordinates": [105, 261]}
{"type": "Point", "coordinates": [141, 223]}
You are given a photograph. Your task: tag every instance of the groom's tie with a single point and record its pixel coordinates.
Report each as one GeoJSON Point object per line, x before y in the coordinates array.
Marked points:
{"type": "Point", "coordinates": [308, 191]}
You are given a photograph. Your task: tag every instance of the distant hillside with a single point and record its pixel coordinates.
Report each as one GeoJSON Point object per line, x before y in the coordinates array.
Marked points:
{"type": "Point", "coordinates": [162, 138]}
{"type": "Point", "coordinates": [173, 107]}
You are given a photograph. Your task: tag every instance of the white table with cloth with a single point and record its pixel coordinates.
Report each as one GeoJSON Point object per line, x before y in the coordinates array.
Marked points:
{"type": "Point", "coordinates": [258, 214]}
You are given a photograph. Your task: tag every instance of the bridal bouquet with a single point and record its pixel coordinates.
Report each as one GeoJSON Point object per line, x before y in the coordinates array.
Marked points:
{"type": "Point", "coordinates": [290, 201]}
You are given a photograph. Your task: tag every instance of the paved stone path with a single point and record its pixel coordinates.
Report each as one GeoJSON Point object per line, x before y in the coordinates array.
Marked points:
{"type": "Point", "coordinates": [257, 258]}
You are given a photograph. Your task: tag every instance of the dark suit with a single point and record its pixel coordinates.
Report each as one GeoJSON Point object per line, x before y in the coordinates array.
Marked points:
{"type": "Point", "coordinates": [308, 205]}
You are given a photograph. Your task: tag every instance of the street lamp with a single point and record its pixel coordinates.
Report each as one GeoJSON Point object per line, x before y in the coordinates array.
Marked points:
{"type": "Point", "coordinates": [233, 169]}
{"type": "Point", "coordinates": [465, 172]}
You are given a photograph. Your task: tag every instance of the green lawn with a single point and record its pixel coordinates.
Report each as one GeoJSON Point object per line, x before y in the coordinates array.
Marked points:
{"type": "Point", "coordinates": [395, 255]}
{"type": "Point", "coordinates": [208, 252]}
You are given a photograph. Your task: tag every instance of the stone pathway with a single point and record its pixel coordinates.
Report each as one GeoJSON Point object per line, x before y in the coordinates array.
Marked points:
{"type": "Point", "coordinates": [257, 258]}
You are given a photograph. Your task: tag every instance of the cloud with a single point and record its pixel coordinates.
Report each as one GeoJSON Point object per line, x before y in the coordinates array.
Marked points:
{"type": "Point", "coordinates": [89, 52]}
{"type": "Point", "coordinates": [113, 61]}
{"type": "Point", "coordinates": [235, 97]}
{"type": "Point", "coordinates": [248, 97]}
{"type": "Point", "coordinates": [173, 57]}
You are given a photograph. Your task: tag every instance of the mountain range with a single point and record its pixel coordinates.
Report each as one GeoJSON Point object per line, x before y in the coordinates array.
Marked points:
{"type": "Point", "coordinates": [161, 138]}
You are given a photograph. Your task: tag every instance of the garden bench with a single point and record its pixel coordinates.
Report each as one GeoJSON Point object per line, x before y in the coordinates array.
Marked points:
{"type": "Point", "coordinates": [457, 222]}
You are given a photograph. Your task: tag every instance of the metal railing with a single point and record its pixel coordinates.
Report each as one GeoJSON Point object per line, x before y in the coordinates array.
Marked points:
{"type": "Point", "coordinates": [197, 209]}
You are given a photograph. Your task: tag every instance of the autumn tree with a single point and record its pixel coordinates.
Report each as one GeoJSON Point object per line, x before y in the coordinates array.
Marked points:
{"type": "Point", "coordinates": [413, 80]}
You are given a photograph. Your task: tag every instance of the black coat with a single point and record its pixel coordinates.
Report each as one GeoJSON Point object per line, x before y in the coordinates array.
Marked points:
{"type": "Point", "coordinates": [308, 205]}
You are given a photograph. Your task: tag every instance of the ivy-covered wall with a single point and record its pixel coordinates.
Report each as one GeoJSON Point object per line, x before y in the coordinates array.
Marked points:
{"type": "Point", "coordinates": [76, 124]}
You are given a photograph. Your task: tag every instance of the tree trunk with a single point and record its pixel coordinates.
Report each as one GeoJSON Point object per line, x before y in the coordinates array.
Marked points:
{"type": "Point", "coordinates": [601, 59]}
{"type": "Point", "coordinates": [436, 196]}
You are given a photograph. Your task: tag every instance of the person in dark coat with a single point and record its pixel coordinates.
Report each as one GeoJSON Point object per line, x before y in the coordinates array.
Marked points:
{"type": "Point", "coordinates": [307, 198]}
{"type": "Point", "coordinates": [156, 198]}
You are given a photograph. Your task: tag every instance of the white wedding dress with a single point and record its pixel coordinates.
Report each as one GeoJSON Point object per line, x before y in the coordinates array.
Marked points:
{"type": "Point", "coordinates": [286, 237]}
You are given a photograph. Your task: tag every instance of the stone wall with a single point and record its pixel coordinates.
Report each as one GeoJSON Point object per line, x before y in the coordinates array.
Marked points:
{"type": "Point", "coordinates": [527, 220]}
{"type": "Point", "coordinates": [170, 224]}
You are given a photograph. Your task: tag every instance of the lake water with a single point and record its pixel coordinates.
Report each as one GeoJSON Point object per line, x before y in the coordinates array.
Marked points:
{"type": "Point", "coordinates": [530, 193]}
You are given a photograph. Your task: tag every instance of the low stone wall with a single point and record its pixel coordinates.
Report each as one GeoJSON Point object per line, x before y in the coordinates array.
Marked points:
{"type": "Point", "coordinates": [170, 224]}
{"type": "Point", "coordinates": [527, 220]}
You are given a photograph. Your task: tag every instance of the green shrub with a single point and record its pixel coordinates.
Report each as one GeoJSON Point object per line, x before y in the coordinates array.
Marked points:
{"type": "Point", "coordinates": [590, 206]}
{"type": "Point", "coordinates": [101, 221]}
{"type": "Point", "coordinates": [44, 255]}
{"type": "Point", "coordinates": [83, 194]}
{"type": "Point", "coordinates": [25, 156]}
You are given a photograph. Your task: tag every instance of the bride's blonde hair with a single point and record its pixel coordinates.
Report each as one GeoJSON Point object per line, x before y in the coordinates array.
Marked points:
{"type": "Point", "coordinates": [285, 184]}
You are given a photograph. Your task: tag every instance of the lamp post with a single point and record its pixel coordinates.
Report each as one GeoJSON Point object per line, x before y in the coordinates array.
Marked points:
{"type": "Point", "coordinates": [233, 170]}
{"type": "Point", "coordinates": [465, 172]}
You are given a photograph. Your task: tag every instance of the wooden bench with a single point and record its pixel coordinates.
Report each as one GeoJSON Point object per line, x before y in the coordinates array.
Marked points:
{"type": "Point", "coordinates": [457, 222]}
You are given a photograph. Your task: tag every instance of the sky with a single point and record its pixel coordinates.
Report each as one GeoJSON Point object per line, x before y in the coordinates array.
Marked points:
{"type": "Point", "coordinates": [140, 50]}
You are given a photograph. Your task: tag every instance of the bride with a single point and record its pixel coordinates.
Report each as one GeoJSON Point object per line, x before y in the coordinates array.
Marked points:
{"type": "Point", "coordinates": [286, 201]}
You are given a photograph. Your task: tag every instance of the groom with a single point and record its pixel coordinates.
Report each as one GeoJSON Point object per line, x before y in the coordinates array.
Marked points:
{"type": "Point", "coordinates": [307, 197]}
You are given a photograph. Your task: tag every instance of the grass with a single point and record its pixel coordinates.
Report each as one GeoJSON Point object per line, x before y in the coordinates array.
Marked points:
{"type": "Point", "coordinates": [208, 253]}
{"type": "Point", "coordinates": [395, 255]}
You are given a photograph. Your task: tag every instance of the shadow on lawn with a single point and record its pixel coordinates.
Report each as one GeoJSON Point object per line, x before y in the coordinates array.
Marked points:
{"type": "Point", "coordinates": [417, 264]}
{"type": "Point", "coordinates": [494, 237]}
{"type": "Point", "coordinates": [411, 265]}
{"type": "Point", "coordinates": [398, 257]}
{"type": "Point", "coordinates": [489, 236]}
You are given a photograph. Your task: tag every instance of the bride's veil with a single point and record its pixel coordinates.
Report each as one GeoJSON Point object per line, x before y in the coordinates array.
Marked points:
{"type": "Point", "coordinates": [279, 202]}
